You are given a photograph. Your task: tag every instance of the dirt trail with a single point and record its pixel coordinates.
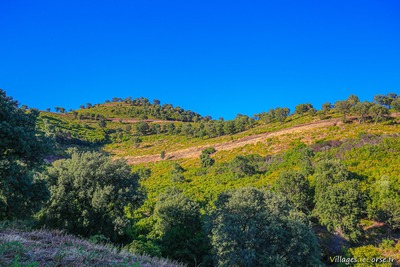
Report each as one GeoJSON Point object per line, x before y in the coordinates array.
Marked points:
{"type": "Point", "coordinates": [194, 152]}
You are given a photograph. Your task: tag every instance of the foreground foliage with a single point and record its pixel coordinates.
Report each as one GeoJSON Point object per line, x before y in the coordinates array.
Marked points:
{"type": "Point", "coordinates": [22, 148]}
{"type": "Point", "coordinates": [256, 228]}
{"type": "Point", "coordinates": [89, 193]}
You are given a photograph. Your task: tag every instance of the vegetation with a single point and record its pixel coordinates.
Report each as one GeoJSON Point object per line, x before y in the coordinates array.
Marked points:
{"type": "Point", "coordinates": [256, 228]}
{"type": "Point", "coordinates": [22, 148]}
{"type": "Point", "coordinates": [89, 193]}
{"type": "Point", "coordinates": [277, 189]}
{"type": "Point", "coordinates": [36, 248]}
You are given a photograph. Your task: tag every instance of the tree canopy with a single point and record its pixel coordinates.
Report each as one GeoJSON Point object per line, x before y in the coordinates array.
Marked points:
{"type": "Point", "coordinates": [22, 149]}
{"type": "Point", "coordinates": [89, 193]}
{"type": "Point", "coordinates": [258, 228]}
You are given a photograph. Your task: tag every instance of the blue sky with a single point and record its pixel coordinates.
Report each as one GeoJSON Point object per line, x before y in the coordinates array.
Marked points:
{"type": "Point", "coordinates": [218, 58]}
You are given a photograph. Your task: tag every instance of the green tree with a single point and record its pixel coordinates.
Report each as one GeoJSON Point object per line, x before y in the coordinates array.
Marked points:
{"type": "Point", "coordinates": [378, 112]}
{"type": "Point", "coordinates": [297, 189]}
{"type": "Point", "coordinates": [338, 201]}
{"type": "Point", "coordinates": [303, 108]}
{"type": "Point", "coordinates": [205, 159]}
{"type": "Point", "coordinates": [179, 228]}
{"type": "Point", "coordinates": [353, 100]}
{"type": "Point", "coordinates": [383, 100]}
{"type": "Point", "coordinates": [242, 166]}
{"type": "Point", "coordinates": [177, 173]}
{"type": "Point", "coordinates": [328, 172]}
{"type": "Point", "coordinates": [343, 107]}
{"type": "Point", "coordinates": [340, 209]}
{"type": "Point", "coordinates": [396, 104]}
{"type": "Point", "coordinates": [362, 110]}
{"type": "Point", "coordinates": [22, 149]}
{"type": "Point", "coordinates": [89, 193]}
{"type": "Point", "coordinates": [229, 127]}
{"type": "Point", "coordinates": [385, 201]}
{"type": "Point", "coordinates": [327, 107]}
{"type": "Point", "coordinates": [281, 114]}
{"type": "Point", "coordinates": [142, 128]}
{"type": "Point", "coordinates": [251, 227]}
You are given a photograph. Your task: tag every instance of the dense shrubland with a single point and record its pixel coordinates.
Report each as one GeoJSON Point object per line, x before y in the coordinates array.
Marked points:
{"type": "Point", "coordinates": [243, 209]}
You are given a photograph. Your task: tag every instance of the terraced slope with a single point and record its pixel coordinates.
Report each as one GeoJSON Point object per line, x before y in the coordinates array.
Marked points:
{"type": "Point", "coordinates": [194, 152]}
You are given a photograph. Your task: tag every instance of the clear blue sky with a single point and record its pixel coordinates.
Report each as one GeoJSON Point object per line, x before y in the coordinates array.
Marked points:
{"type": "Point", "coordinates": [218, 58]}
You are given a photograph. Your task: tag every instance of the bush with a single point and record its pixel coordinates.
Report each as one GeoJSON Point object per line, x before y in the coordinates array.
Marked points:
{"type": "Point", "coordinates": [89, 193]}
{"type": "Point", "coordinates": [251, 227]}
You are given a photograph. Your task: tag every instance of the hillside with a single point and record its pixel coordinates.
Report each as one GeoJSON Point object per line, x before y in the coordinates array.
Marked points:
{"type": "Point", "coordinates": [332, 173]}
{"type": "Point", "coordinates": [55, 248]}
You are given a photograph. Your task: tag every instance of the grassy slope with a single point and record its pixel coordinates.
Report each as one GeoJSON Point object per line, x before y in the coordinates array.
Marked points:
{"type": "Point", "coordinates": [370, 160]}
{"type": "Point", "coordinates": [199, 186]}
{"type": "Point", "coordinates": [54, 248]}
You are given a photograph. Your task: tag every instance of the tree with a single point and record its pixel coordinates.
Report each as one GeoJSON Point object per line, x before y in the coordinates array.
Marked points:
{"type": "Point", "coordinates": [328, 172]}
{"type": "Point", "coordinates": [205, 159]}
{"type": "Point", "coordinates": [48, 109]}
{"type": "Point", "coordinates": [378, 112]}
{"type": "Point", "coordinates": [162, 154]}
{"type": "Point", "coordinates": [385, 201]}
{"type": "Point", "coordinates": [89, 193]}
{"type": "Point", "coordinates": [338, 201]}
{"type": "Point", "coordinates": [326, 106]}
{"type": "Point", "coordinates": [62, 110]}
{"type": "Point", "coordinates": [343, 107]}
{"type": "Point", "coordinates": [281, 114]}
{"type": "Point", "coordinates": [340, 209]}
{"type": "Point", "coordinates": [142, 128]}
{"type": "Point", "coordinates": [383, 100]}
{"type": "Point", "coordinates": [179, 228]}
{"type": "Point", "coordinates": [22, 149]}
{"type": "Point", "coordinates": [229, 127]}
{"type": "Point", "coordinates": [241, 166]}
{"type": "Point", "coordinates": [396, 104]}
{"type": "Point", "coordinates": [297, 189]}
{"type": "Point", "coordinates": [57, 109]}
{"type": "Point", "coordinates": [251, 227]}
{"type": "Point", "coordinates": [353, 100]}
{"type": "Point", "coordinates": [303, 108]}
{"type": "Point", "coordinates": [362, 110]}
{"type": "Point", "coordinates": [177, 173]}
